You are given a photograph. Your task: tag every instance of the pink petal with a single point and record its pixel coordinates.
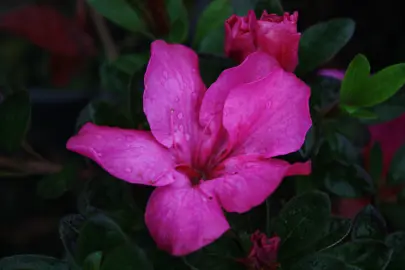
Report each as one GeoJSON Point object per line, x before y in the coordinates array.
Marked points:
{"type": "Point", "coordinates": [183, 220]}
{"type": "Point", "coordinates": [173, 92]}
{"type": "Point", "coordinates": [277, 36]}
{"type": "Point", "coordinates": [131, 155]}
{"type": "Point", "coordinates": [255, 67]}
{"type": "Point", "coordinates": [269, 117]}
{"type": "Point", "coordinates": [244, 182]}
{"type": "Point", "coordinates": [334, 73]}
{"type": "Point", "coordinates": [300, 168]}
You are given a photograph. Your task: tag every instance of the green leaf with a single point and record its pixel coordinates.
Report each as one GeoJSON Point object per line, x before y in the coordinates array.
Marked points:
{"type": "Point", "coordinates": [121, 13]}
{"type": "Point", "coordinates": [32, 262]}
{"type": "Point", "coordinates": [178, 21]}
{"type": "Point", "coordinates": [394, 214]}
{"type": "Point", "coordinates": [212, 19]}
{"type": "Point", "coordinates": [272, 6]}
{"type": "Point", "coordinates": [321, 42]}
{"type": "Point", "coordinates": [376, 163]}
{"type": "Point", "coordinates": [93, 261]}
{"type": "Point", "coordinates": [15, 113]}
{"type": "Point", "coordinates": [301, 222]}
{"type": "Point", "coordinates": [126, 257]}
{"type": "Point", "coordinates": [348, 181]}
{"type": "Point", "coordinates": [213, 42]}
{"type": "Point", "coordinates": [359, 89]}
{"type": "Point", "coordinates": [365, 254]}
{"type": "Point", "coordinates": [339, 228]}
{"type": "Point", "coordinates": [55, 185]}
{"type": "Point", "coordinates": [396, 173]}
{"type": "Point", "coordinates": [69, 228]}
{"type": "Point", "coordinates": [131, 63]}
{"type": "Point", "coordinates": [363, 114]}
{"type": "Point", "coordinates": [241, 7]}
{"type": "Point", "coordinates": [396, 241]}
{"type": "Point", "coordinates": [320, 262]}
{"type": "Point", "coordinates": [369, 224]}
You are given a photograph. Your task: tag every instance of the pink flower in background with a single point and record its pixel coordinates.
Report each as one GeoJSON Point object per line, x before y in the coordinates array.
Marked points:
{"type": "Point", "coordinates": [263, 254]}
{"type": "Point", "coordinates": [390, 136]}
{"type": "Point", "coordinates": [272, 34]}
{"type": "Point", "coordinates": [208, 149]}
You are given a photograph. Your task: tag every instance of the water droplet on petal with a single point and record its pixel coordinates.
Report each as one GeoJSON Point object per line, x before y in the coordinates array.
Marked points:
{"type": "Point", "coordinates": [268, 104]}
{"type": "Point", "coordinates": [187, 137]}
{"type": "Point", "coordinates": [177, 99]}
{"type": "Point", "coordinates": [181, 127]}
{"type": "Point", "coordinates": [128, 170]}
{"type": "Point", "coordinates": [99, 137]}
{"type": "Point", "coordinates": [99, 154]}
{"type": "Point", "coordinates": [180, 116]}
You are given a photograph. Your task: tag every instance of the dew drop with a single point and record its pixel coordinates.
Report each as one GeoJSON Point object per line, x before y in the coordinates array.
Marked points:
{"type": "Point", "coordinates": [187, 137]}
{"type": "Point", "coordinates": [180, 116]}
{"type": "Point", "coordinates": [128, 170]}
{"type": "Point", "coordinates": [181, 128]}
{"type": "Point", "coordinates": [268, 104]}
{"type": "Point", "coordinates": [99, 137]}
{"type": "Point", "coordinates": [177, 99]}
{"type": "Point", "coordinates": [99, 154]}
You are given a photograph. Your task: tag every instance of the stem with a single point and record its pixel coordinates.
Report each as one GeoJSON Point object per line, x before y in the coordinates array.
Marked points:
{"type": "Point", "coordinates": [105, 36]}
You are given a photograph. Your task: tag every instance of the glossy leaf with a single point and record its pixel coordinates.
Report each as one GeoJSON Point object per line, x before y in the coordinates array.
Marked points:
{"type": "Point", "coordinates": [321, 42]}
{"type": "Point", "coordinates": [302, 222]}
{"type": "Point", "coordinates": [369, 224]}
{"type": "Point", "coordinates": [396, 241]}
{"type": "Point", "coordinates": [339, 228]}
{"type": "Point", "coordinates": [179, 25]}
{"type": "Point", "coordinates": [121, 13]}
{"type": "Point", "coordinates": [359, 89]}
{"type": "Point", "coordinates": [320, 262]}
{"type": "Point", "coordinates": [93, 261]}
{"type": "Point", "coordinates": [212, 18]}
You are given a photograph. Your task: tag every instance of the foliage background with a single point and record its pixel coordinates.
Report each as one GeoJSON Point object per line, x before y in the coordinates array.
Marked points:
{"type": "Point", "coordinates": [33, 202]}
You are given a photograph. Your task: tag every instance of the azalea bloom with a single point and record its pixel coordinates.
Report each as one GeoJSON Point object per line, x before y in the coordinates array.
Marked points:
{"type": "Point", "coordinates": [390, 136]}
{"type": "Point", "coordinates": [263, 254]}
{"type": "Point", "coordinates": [272, 34]}
{"type": "Point", "coordinates": [208, 149]}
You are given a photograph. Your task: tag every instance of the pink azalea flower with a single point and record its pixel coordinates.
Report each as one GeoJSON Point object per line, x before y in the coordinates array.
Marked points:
{"type": "Point", "coordinates": [273, 34]}
{"type": "Point", "coordinates": [390, 136]}
{"type": "Point", "coordinates": [208, 149]}
{"type": "Point", "coordinates": [263, 254]}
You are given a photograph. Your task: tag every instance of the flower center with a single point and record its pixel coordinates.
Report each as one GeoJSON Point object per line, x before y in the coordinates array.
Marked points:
{"type": "Point", "coordinates": [195, 175]}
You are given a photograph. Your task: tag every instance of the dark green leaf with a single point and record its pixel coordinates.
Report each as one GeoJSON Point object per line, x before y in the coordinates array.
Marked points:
{"type": "Point", "coordinates": [241, 7]}
{"type": "Point", "coordinates": [272, 6]}
{"type": "Point", "coordinates": [396, 241]}
{"type": "Point", "coordinates": [319, 262]}
{"type": "Point", "coordinates": [339, 228]}
{"type": "Point", "coordinates": [131, 63]}
{"type": "Point", "coordinates": [348, 181]}
{"type": "Point", "coordinates": [213, 42]}
{"type": "Point", "coordinates": [322, 42]}
{"type": "Point", "coordinates": [69, 228]}
{"type": "Point", "coordinates": [126, 257]}
{"type": "Point", "coordinates": [211, 19]}
{"type": "Point", "coordinates": [301, 222]}
{"type": "Point", "coordinates": [365, 254]}
{"type": "Point", "coordinates": [396, 174]}
{"type": "Point", "coordinates": [250, 221]}
{"type": "Point", "coordinates": [32, 262]}
{"type": "Point", "coordinates": [220, 255]}
{"type": "Point", "coordinates": [55, 185]}
{"type": "Point", "coordinates": [401, 196]}
{"type": "Point", "coordinates": [93, 261]}
{"type": "Point", "coordinates": [121, 13]}
{"type": "Point", "coordinates": [178, 21]}
{"type": "Point", "coordinates": [15, 112]}
{"type": "Point", "coordinates": [364, 114]}
{"type": "Point", "coordinates": [369, 224]}
{"type": "Point", "coordinates": [394, 214]}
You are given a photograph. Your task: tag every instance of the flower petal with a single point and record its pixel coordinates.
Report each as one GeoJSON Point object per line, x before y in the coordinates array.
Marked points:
{"type": "Point", "coordinates": [244, 182]}
{"type": "Point", "coordinates": [183, 220]}
{"type": "Point", "coordinates": [255, 67]}
{"type": "Point", "coordinates": [131, 155]}
{"type": "Point", "coordinates": [173, 92]}
{"type": "Point", "coordinates": [269, 117]}
{"type": "Point", "coordinates": [300, 168]}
